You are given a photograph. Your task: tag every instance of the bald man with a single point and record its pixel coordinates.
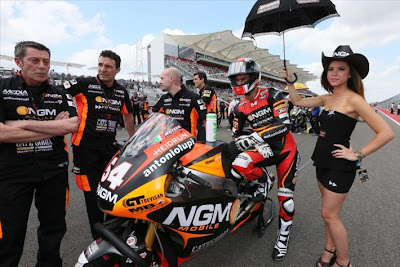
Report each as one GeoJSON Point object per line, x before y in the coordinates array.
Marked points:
{"type": "Point", "coordinates": [183, 105]}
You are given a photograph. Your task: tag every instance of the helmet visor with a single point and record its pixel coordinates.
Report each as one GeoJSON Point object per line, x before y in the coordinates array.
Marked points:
{"type": "Point", "coordinates": [242, 67]}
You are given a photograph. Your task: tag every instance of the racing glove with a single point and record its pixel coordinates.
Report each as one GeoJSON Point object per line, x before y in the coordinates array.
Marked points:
{"type": "Point", "coordinates": [245, 142]}
{"type": "Point", "coordinates": [265, 150]}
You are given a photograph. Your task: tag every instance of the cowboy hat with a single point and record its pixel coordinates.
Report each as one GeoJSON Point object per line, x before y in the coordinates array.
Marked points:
{"type": "Point", "coordinates": [344, 53]}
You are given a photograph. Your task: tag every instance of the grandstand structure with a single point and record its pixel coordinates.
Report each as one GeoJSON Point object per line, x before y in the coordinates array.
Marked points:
{"type": "Point", "coordinates": [212, 53]}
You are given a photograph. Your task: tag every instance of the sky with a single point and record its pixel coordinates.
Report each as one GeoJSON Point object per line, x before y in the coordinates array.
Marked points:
{"type": "Point", "coordinates": [77, 31]}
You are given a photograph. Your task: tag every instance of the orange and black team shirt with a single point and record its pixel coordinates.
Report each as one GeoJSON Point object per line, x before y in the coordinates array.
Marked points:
{"type": "Point", "coordinates": [185, 106]}
{"type": "Point", "coordinates": [99, 110]}
{"type": "Point", "coordinates": [210, 99]}
{"type": "Point", "coordinates": [40, 159]}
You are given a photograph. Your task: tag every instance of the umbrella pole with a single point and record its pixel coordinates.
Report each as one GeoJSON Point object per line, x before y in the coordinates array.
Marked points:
{"type": "Point", "coordinates": [284, 57]}
{"type": "Point", "coordinates": [284, 61]}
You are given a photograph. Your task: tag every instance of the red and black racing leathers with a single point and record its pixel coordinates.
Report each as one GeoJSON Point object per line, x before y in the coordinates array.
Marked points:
{"type": "Point", "coordinates": [267, 116]}
{"type": "Point", "coordinates": [33, 170]}
{"type": "Point", "coordinates": [99, 110]}
{"type": "Point", "coordinates": [186, 107]}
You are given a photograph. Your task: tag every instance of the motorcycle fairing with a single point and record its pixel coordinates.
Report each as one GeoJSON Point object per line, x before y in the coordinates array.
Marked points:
{"type": "Point", "coordinates": [205, 158]}
{"type": "Point", "coordinates": [140, 202]}
{"type": "Point", "coordinates": [199, 216]}
{"type": "Point", "coordinates": [152, 164]}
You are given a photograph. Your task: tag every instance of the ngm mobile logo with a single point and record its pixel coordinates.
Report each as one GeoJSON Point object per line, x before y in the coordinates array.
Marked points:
{"type": "Point", "coordinates": [22, 110]}
{"type": "Point", "coordinates": [203, 217]}
{"type": "Point", "coordinates": [113, 102]}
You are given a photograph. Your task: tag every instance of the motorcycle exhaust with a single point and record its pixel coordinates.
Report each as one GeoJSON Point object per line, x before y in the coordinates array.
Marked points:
{"type": "Point", "coordinates": [246, 211]}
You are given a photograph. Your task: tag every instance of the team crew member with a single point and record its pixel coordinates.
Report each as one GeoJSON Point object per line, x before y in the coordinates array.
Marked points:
{"type": "Point", "coordinates": [207, 94]}
{"type": "Point", "coordinates": [34, 117]}
{"type": "Point", "coordinates": [181, 104]}
{"type": "Point", "coordinates": [270, 143]}
{"type": "Point", "coordinates": [100, 101]}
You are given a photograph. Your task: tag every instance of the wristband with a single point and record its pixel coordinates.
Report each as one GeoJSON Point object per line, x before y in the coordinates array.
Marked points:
{"type": "Point", "coordinates": [359, 154]}
{"type": "Point", "coordinates": [290, 83]}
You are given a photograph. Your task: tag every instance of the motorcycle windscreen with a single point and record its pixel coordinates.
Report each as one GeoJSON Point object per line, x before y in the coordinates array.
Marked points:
{"type": "Point", "coordinates": [133, 183]}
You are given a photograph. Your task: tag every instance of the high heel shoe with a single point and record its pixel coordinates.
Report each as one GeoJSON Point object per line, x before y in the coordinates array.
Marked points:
{"type": "Point", "coordinates": [327, 264]}
{"type": "Point", "coordinates": [348, 264]}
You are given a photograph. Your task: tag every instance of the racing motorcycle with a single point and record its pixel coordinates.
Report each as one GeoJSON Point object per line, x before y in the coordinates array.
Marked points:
{"type": "Point", "coordinates": [169, 197]}
{"type": "Point", "coordinates": [298, 120]}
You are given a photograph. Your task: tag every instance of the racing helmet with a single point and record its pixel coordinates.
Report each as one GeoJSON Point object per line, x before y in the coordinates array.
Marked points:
{"type": "Point", "coordinates": [244, 66]}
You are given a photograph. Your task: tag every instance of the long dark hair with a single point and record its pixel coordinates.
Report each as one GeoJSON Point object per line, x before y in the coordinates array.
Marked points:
{"type": "Point", "coordinates": [354, 82]}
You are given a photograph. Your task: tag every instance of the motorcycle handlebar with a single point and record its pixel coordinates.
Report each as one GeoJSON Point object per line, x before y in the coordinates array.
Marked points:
{"type": "Point", "coordinates": [197, 179]}
{"type": "Point", "coordinates": [120, 245]}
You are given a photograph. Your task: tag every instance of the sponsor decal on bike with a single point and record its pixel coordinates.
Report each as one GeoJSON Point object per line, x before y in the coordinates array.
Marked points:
{"type": "Point", "coordinates": [173, 130]}
{"type": "Point", "coordinates": [170, 143]}
{"type": "Point", "coordinates": [203, 217]}
{"type": "Point", "coordinates": [107, 195]}
{"type": "Point", "coordinates": [140, 200]}
{"type": "Point", "coordinates": [204, 245]}
{"type": "Point", "coordinates": [168, 156]}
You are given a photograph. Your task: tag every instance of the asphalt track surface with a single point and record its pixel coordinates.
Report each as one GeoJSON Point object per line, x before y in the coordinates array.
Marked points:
{"type": "Point", "coordinates": [370, 214]}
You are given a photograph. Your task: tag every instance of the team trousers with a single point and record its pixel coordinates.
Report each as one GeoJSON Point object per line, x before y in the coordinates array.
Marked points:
{"type": "Point", "coordinates": [51, 201]}
{"type": "Point", "coordinates": [89, 164]}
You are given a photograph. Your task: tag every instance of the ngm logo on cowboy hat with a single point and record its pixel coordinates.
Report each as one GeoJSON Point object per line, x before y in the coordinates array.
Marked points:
{"type": "Point", "coordinates": [340, 54]}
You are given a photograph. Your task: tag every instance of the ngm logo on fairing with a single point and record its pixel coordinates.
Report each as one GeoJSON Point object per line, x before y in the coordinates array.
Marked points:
{"type": "Point", "coordinates": [199, 215]}
{"type": "Point", "coordinates": [22, 110]}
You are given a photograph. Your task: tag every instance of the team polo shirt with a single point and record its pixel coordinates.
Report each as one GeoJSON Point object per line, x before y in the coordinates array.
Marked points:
{"type": "Point", "coordinates": [32, 161]}
{"type": "Point", "coordinates": [185, 106]}
{"type": "Point", "coordinates": [99, 110]}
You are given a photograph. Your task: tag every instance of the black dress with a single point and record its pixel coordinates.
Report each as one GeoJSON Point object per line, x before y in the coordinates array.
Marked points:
{"type": "Point", "coordinates": [335, 174]}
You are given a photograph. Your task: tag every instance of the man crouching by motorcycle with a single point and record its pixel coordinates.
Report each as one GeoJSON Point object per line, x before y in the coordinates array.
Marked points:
{"type": "Point", "coordinates": [270, 142]}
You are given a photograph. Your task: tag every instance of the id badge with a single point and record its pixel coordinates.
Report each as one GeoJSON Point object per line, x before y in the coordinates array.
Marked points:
{"type": "Point", "coordinates": [362, 173]}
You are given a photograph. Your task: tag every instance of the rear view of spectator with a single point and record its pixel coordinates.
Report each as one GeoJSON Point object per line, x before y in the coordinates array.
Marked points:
{"type": "Point", "coordinates": [136, 108]}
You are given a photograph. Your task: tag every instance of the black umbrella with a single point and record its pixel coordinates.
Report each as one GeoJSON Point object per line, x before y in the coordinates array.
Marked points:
{"type": "Point", "coordinates": [278, 16]}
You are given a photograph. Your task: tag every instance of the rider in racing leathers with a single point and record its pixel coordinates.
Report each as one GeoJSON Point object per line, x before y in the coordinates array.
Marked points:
{"type": "Point", "coordinates": [270, 143]}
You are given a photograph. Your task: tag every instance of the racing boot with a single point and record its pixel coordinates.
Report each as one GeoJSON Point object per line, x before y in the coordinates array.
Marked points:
{"type": "Point", "coordinates": [282, 240]}
{"type": "Point", "coordinates": [265, 184]}
{"type": "Point", "coordinates": [286, 214]}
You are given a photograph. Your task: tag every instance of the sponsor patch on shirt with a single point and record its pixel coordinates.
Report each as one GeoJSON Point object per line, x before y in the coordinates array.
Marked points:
{"type": "Point", "coordinates": [67, 85]}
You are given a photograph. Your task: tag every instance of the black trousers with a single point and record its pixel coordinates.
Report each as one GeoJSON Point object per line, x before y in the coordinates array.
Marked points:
{"type": "Point", "coordinates": [15, 203]}
{"type": "Point", "coordinates": [136, 116]}
{"type": "Point", "coordinates": [89, 164]}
